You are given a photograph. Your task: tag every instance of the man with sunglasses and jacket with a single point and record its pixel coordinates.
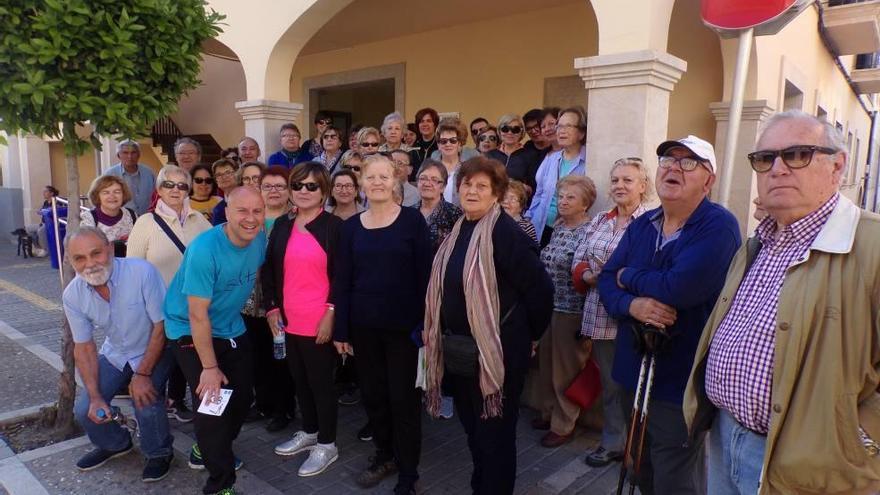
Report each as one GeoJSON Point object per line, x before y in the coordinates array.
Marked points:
{"type": "Point", "coordinates": [786, 373]}
{"type": "Point", "coordinates": [662, 280]}
{"type": "Point", "coordinates": [207, 333]}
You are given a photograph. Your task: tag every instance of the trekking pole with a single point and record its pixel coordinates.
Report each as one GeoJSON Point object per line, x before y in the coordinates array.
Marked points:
{"type": "Point", "coordinates": [643, 423]}
{"type": "Point", "coordinates": [632, 426]}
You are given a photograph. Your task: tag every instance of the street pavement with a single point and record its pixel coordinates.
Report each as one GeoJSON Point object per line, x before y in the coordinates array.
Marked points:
{"type": "Point", "coordinates": [30, 320]}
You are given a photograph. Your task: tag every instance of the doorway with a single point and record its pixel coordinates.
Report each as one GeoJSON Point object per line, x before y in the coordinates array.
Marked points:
{"type": "Point", "coordinates": [365, 103]}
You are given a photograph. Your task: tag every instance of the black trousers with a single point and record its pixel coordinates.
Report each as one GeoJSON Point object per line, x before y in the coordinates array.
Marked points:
{"type": "Point", "coordinates": [274, 389]}
{"type": "Point", "coordinates": [492, 441]}
{"type": "Point", "coordinates": [312, 366]}
{"type": "Point", "coordinates": [177, 384]}
{"type": "Point", "coordinates": [387, 362]}
{"type": "Point", "coordinates": [671, 463]}
{"type": "Point", "coordinates": [215, 434]}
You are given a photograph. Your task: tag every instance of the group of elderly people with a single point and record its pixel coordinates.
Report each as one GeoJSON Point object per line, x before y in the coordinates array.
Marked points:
{"type": "Point", "coordinates": [484, 279]}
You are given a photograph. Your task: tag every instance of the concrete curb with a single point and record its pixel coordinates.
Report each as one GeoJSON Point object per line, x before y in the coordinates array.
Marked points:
{"type": "Point", "coordinates": [14, 416]}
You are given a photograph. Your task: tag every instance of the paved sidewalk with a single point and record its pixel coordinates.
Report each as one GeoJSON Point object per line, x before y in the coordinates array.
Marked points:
{"type": "Point", "coordinates": [30, 319]}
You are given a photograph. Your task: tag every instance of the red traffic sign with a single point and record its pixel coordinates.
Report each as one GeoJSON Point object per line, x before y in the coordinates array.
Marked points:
{"type": "Point", "coordinates": [732, 15]}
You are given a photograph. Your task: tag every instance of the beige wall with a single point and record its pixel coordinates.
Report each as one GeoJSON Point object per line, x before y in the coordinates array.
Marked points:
{"type": "Point", "coordinates": [480, 69]}
{"type": "Point", "coordinates": [210, 108]}
{"type": "Point", "coordinates": [86, 165]}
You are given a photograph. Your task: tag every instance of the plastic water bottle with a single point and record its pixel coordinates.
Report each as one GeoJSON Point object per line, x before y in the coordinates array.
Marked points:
{"type": "Point", "coordinates": [278, 349]}
{"type": "Point", "coordinates": [115, 415]}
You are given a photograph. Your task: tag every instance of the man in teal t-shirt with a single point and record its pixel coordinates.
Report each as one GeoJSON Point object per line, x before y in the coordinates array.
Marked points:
{"type": "Point", "coordinates": [203, 322]}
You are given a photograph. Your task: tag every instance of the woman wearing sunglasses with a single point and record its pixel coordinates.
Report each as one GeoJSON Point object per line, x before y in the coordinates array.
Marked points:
{"type": "Point", "coordinates": [331, 148]}
{"type": "Point", "coordinates": [451, 135]}
{"type": "Point", "coordinates": [487, 140]}
{"type": "Point", "coordinates": [296, 280]}
{"type": "Point", "coordinates": [202, 197]}
{"type": "Point", "coordinates": [520, 162]}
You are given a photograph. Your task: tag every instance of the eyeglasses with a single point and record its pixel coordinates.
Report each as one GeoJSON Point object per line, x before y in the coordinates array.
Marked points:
{"type": "Point", "coordinates": [343, 187]}
{"type": "Point", "coordinates": [430, 180]}
{"type": "Point", "coordinates": [448, 141]}
{"type": "Point", "coordinates": [203, 180]}
{"type": "Point", "coordinates": [515, 129]}
{"type": "Point", "coordinates": [274, 187]}
{"type": "Point", "coordinates": [290, 136]}
{"type": "Point", "coordinates": [355, 168]}
{"type": "Point", "coordinates": [371, 144]}
{"type": "Point", "coordinates": [250, 179]}
{"type": "Point", "coordinates": [225, 174]}
{"type": "Point", "coordinates": [686, 163]}
{"type": "Point", "coordinates": [565, 126]}
{"type": "Point", "coordinates": [331, 136]}
{"type": "Point", "coordinates": [169, 184]}
{"type": "Point", "coordinates": [310, 186]}
{"type": "Point", "coordinates": [533, 129]}
{"type": "Point", "coordinates": [489, 137]}
{"type": "Point", "coordinates": [401, 163]}
{"type": "Point", "coordinates": [794, 157]}
{"type": "Point", "coordinates": [323, 122]}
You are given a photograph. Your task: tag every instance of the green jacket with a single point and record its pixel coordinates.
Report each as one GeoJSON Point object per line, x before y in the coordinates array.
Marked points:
{"type": "Point", "coordinates": [826, 365]}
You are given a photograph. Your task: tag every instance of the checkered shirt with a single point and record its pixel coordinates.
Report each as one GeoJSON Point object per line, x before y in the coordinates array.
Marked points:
{"type": "Point", "coordinates": [739, 368]}
{"type": "Point", "coordinates": [601, 242]}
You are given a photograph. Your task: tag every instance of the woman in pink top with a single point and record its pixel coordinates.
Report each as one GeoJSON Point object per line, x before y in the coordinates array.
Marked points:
{"type": "Point", "coordinates": [296, 283]}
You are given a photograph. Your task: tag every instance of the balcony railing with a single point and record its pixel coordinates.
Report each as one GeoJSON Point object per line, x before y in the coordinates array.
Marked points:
{"type": "Point", "coordinates": [853, 25]}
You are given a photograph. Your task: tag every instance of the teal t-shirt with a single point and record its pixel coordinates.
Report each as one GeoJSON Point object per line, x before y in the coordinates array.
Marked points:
{"type": "Point", "coordinates": [214, 268]}
{"type": "Point", "coordinates": [565, 168]}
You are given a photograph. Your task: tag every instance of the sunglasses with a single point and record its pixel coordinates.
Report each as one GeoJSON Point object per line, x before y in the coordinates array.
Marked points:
{"type": "Point", "coordinates": [793, 156]}
{"type": "Point", "coordinates": [477, 130]}
{"type": "Point", "coordinates": [370, 145]}
{"type": "Point", "coordinates": [203, 180]}
{"type": "Point", "coordinates": [323, 122]}
{"type": "Point", "coordinates": [310, 186]}
{"type": "Point", "coordinates": [515, 129]}
{"type": "Point", "coordinates": [355, 168]}
{"type": "Point", "coordinates": [169, 184]}
{"type": "Point", "coordinates": [489, 137]}
{"type": "Point", "coordinates": [331, 136]}
{"type": "Point", "coordinates": [448, 141]}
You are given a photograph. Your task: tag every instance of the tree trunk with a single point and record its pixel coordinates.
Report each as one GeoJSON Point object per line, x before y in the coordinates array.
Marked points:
{"type": "Point", "coordinates": [64, 420]}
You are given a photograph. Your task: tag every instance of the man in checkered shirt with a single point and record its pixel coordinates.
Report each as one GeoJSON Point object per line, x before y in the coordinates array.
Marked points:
{"type": "Point", "coordinates": [786, 372]}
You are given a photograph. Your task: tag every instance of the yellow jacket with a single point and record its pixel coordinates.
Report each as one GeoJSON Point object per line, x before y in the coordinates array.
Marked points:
{"type": "Point", "coordinates": [826, 365]}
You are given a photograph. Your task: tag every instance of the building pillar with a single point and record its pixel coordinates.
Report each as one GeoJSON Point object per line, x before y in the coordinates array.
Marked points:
{"type": "Point", "coordinates": [36, 174]}
{"type": "Point", "coordinates": [263, 120]}
{"type": "Point", "coordinates": [629, 108]}
{"type": "Point", "coordinates": [743, 186]}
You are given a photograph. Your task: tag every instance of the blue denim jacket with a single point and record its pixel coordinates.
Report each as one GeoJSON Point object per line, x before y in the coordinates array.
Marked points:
{"type": "Point", "coordinates": [546, 179]}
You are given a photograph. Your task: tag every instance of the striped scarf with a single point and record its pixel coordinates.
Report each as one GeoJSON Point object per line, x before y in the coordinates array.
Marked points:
{"type": "Point", "coordinates": [483, 314]}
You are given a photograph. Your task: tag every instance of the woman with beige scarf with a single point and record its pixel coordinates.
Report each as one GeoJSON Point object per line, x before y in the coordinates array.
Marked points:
{"type": "Point", "coordinates": [484, 308]}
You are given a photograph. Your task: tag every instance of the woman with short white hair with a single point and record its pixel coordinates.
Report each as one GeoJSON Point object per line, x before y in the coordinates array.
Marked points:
{"type": "Point", "coordinates": [392, 129]}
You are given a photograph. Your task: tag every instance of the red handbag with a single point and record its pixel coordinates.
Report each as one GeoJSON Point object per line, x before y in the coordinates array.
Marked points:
{"type": "Point", "coordinates": [586, 386]}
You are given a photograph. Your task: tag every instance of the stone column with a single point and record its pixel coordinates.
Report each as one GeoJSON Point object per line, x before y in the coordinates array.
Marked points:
{"type": "Point", "coordinates": [263, 120]}
{"type": "Point", "coordinates": [629, 107]}
{"type": "Point", "coordinates": [743, 185]}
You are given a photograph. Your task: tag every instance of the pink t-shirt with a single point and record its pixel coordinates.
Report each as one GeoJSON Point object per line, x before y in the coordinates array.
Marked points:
{"type": "Point", "coordinates": [306, 285]}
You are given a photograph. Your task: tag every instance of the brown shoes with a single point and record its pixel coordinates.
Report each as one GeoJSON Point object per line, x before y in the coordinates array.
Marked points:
{"type": "Point", "coordinates": [552, 440]}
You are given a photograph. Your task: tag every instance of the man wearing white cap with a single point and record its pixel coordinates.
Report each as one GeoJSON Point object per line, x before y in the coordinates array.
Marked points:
{"type": "Point", "coordinates": [665, 275]}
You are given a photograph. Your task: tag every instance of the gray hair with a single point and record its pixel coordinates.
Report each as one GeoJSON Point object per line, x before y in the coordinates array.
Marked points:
{"type": "Point", "coordinates": [167, 170]}
{"type": "Point", "coordinates": [429, 163]}
{"type": "Point", "coordinates": [83, 231]}
{"type": "Point", "coordinates": [392, 118]}
{"type": "Point", "coordinates": [128, 142]}
{"type": "Point", "coordinates": [832, 136]}
{"type": "Point", "coordinates": [186, 140]}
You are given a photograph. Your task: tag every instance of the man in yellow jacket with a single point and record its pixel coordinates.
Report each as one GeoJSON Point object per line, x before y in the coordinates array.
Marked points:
{"type": "Point", "coordinates": [787, 370]}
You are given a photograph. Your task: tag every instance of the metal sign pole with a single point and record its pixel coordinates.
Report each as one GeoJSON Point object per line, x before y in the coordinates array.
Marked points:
{"type": "Point", "coordinates": [735, 113]}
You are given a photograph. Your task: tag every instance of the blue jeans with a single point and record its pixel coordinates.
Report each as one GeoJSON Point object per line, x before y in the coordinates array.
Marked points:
{"type": "Point", "coordinates": [736, 456]}
{"type": "Point", "coordinates": [152, 420]}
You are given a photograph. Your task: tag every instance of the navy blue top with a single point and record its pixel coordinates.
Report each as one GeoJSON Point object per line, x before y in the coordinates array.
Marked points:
{"type": "Point", "coordinates": [289, 159]}
{"type": "Point", "coordinates": [687, 273]}
{"type": "Point", "coordinates": [382, 275]}
{"type": "Point", "coordinates": [218, 215]}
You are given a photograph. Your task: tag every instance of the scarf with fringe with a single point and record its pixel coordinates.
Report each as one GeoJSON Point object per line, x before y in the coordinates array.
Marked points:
{"type": "Point", "coordinates": [483, 314]}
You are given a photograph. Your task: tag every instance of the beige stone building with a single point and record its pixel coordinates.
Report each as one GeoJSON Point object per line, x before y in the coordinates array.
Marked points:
{"type": "Point", "coordinates": [644, 69]}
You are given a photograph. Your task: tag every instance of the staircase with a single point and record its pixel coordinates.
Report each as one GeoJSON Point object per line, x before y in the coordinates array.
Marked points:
{"type": "Point", "coordinates": [165, 133]}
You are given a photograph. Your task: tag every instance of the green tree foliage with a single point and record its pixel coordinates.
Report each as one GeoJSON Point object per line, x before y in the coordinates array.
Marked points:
{"type": "Point", "coordinates": [117, 64]}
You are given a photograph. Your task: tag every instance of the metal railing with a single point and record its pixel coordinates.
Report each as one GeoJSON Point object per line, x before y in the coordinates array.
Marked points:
{"type": "Point", "coordinates": [164, 134]}
{"type": "Point", "coordinates": [57, 221]}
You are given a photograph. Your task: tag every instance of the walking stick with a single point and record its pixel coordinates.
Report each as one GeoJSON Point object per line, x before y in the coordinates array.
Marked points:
{"type": "Point", "coordinates": [632, 424]}
{"type": "Point", "coordinates": [643, 423]}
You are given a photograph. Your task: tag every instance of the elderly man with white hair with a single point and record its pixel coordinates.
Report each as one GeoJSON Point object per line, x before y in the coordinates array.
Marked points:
{"type": "Point", "coordinates": [787, 370]}
{"type": "Point", "coordinates": [140, 178]}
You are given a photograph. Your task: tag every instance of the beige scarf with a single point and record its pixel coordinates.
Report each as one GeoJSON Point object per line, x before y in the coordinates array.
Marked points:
{"type": "Point", "coordinates": [483, 308]}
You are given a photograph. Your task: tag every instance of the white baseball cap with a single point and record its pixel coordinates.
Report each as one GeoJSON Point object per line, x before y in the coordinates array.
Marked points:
{"type": "Point", "coordinates": [703, 149]}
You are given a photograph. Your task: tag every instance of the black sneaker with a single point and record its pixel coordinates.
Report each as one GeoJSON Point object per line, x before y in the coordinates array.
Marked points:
{"type": "Point", "coordinates": [277, 423]}
{"type": "Point", "coordinates": [365, 434]}
{"type": "Point", "coordinates": [254, 414]}
{"type": "Point", "coordinates": [601, 457]}
{"type": "Point", "coordinates": [376, 472]}
{"type": "Point", "coordinates": [178, 410]}
{"type": "Point", "coordinates": [97, 457]}
{"type": "Point", "coordinates": [405, 488]}
{"type": "Point", "coordinates": [157, 468]}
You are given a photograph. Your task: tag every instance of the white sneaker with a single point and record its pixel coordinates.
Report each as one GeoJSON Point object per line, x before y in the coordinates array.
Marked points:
{"type": "Point", "coordinates": [319, 460]}
{"type": "Point", "coordinates": [446, 407]}
{"type": "Point", "coordinates": [300, 442]}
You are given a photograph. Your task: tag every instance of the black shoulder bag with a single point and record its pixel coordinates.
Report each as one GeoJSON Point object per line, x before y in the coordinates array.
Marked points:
{"type": "Point", "coordinates": [170, 233]}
